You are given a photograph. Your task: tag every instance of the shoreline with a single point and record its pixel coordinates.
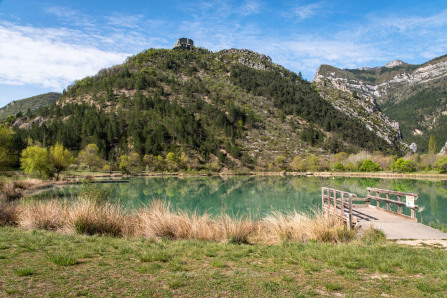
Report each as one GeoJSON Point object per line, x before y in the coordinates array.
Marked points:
{"type": "Point", "coordinates": [124, 178]}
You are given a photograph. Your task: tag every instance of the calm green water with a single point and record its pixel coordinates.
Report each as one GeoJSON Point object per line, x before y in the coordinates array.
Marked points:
{"type": "Point", "coordinates": [255, 196]}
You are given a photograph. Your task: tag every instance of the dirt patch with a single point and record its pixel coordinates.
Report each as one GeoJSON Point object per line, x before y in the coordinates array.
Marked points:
{"type": "Point", "coordinates": [424, 243]}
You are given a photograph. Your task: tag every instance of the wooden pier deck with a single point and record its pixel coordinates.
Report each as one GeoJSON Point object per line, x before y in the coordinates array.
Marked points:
{"type": "Point", "coordinates": [395, 224]}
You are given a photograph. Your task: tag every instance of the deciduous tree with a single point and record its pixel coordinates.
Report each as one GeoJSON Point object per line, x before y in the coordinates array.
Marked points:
{"type": "Point", "coordinates": [6, 136]}
{"type": "Point", "coordinates": [35, 159]}
{"type": "Point", "coordinates": [60, 158]}
{"type": "Point", "coordinates": [90, 156]}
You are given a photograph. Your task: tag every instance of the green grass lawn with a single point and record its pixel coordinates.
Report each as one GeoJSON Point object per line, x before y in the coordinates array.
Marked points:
{"type": "Point", "coordinates": [50, 264]}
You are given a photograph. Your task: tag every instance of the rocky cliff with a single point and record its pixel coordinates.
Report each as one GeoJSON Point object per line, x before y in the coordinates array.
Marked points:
{"type": "Point", "coordinates": [402, 100]}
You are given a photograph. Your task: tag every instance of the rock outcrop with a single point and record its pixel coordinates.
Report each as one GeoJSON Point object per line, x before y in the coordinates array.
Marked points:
{"type": "Point", "coordinates": [413, 97]}
{"type": "Point", "coordinates": [443, 151]}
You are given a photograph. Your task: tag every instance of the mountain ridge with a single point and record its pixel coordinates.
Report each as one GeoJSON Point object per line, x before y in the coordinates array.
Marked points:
{"type": "Point", "coordinates": [415, 96]}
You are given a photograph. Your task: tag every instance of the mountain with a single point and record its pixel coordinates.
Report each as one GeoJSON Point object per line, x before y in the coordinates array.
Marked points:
{"type": "Point", "coordinates": [234, 105]}
{"type": "Point", "coordinates": [34, 103]}
{"type": "Point", "coordinates": [414, 96]}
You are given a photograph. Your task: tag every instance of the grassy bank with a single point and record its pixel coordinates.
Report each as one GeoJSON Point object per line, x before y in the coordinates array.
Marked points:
{"type": "Point", "coordinates": [46, 263]}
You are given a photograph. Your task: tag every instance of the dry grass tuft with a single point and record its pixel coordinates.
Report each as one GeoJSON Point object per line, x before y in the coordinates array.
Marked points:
{"type": "Point", "coordinates": [9, 214]}
{"type": "Point", "coordinates": [47, 215]}
{"type": "Point", "coordinates": [29, 183]}
{"type": "Point", "coordinates": [238, 230]}
{"type": "Point", "coordinates": [89, 217]}
{"type": "Point", "coordinates": [279, 227]}
{"type": "Point", "coordinates": [9, 192]}
{"type": "Point", "coordinates": [158, 221]}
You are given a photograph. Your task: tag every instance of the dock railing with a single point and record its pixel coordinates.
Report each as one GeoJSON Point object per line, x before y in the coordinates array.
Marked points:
{"type": "Point", "coordinates": [377, 193]}
{"type": "Point", "coordinates": [338, 203]}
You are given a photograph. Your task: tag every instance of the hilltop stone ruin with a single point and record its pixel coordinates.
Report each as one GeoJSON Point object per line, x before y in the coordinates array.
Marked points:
{"type": "Point", "coordinates": [184, 43]}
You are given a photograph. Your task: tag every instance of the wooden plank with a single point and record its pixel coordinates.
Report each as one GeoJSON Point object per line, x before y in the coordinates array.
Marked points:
{"type": "Point", "coordinates": [391, 201]}
{"type": "Point", "coordinates": [398, 193]}
{"type": "Point", "coordinates": [395, 213]}
{"type": "Point", "coordinates": [387, 201]}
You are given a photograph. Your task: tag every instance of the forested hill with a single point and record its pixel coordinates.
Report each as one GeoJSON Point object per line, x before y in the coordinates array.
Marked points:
{"type": "Point", "coordinates": [234, 106]}
{"type": "Point", "coordinates": [35, 103]}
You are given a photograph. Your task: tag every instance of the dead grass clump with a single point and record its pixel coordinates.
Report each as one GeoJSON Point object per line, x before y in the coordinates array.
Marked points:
{"type": "Point", "coordinates": [279, 227]}
{"type": "Point", "coordinates": [237, 230]}
{"type": "Point", "coordinates": [29, 183]}
{"type": "Point", "coordinates": [296, 227]}
{"type": "Point", "coordinates": [9, 192]}
{"type": "Point", "coordinates": [329, 229]}
{"type": "Point", "coordinates": [9, 214]}
{"type": "Point", "coordinates": [205, 228]}
{"type": "Point", "coordinates": [157, 220]}
{"type": "Point", "coordinates": [46, 215]}
{"type": "Point", "coordinates": [89, 217]}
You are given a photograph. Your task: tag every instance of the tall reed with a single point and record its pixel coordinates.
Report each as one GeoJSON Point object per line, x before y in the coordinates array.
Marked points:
{"type": "Point", "coordinates": [158, 221]}
{"type": "Point", "coordinates": [45, 215]}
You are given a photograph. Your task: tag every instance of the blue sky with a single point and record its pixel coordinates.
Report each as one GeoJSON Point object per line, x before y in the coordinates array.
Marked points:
{"type": "Point", "coordinates": [46, 45]}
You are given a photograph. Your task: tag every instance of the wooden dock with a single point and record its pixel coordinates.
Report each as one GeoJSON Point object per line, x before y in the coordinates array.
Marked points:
{"type": "Point", "coordinates": [387, 214]}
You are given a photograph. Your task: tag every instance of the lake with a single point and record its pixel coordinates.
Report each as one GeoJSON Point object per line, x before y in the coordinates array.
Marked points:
{"type": "Point", "coordinates": [258, 195]}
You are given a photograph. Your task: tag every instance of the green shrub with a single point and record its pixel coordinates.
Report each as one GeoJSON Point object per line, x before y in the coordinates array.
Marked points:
{"type": "Point", "coordinates": [350, 167]}
{"type": "Point", "coordinates": [373, 236]}
{"type": "Point", "coordinates": [369, 166]}
{"type": "Point", "coordinates": [338, 167]}
{"type": "Point", "coordinates": [441, 165]}
{"type": "Point", "coordinates": [404, 166]}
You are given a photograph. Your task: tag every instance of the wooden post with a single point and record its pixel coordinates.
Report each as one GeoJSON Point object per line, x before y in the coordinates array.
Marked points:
{"type": "Point", "coordinates": [377, 201]}
{"type": "Point", "coordinates": [350, 213]}
{"type": "Point", "coordinates": [399, 207]}
{"type": "Point", "coordinates": [322, 199]}
{"type": "Point", "coordinates": [335, 201]}
{"type": "Point", "coordinates": [367, 202]}
{"type": "Point", "coordinates": [413, 215]}
{"type": "Point", "coordinates": [342, 209]}
{"type": "Point", "coordinates": [387, 203]}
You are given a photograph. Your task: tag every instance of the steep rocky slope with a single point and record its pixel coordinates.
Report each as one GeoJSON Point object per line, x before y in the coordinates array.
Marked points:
{"type": "Point", "coordinates": [415, 96]}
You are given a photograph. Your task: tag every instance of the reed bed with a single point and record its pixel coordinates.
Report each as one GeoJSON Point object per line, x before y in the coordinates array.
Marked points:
{"type": "Point", "coordinates": [13, 190]}
{"type": "Point", "coordinates": [158, 221]}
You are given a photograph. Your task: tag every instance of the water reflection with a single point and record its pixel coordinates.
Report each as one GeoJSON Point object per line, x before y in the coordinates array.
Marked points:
{"type": "Point", "coordinates": [255, 196]}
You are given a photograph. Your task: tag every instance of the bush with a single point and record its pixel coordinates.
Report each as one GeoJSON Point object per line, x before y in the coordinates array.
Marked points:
{"type": "Point", "coordinates": [404, 166]}
{"type": "Point", "coordinates": [441, 165]}
{"type": "Point", "coordinates": [369, 166]}
{"type": "Point", "coordinates": [373, 236]}
{"type": "Point", "coordinates": [338, 167]}
{"type": "Point", "coordinates": [350, 167]}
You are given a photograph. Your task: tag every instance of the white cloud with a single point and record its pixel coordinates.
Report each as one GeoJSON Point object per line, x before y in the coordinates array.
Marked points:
{"type": "Point", "coordinates": [306, 11]}
{"type": "Point", "coordinates": [125, 21]}
{"type": "Point", "coordinates": [250, 7]}
{"type": "Point", "coordinates": [71, 16]}
{"type": "Point", "coordinates": [45, 58]}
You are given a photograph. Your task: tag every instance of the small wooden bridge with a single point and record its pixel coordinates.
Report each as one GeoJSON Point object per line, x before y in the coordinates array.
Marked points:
{"type": "Point", "coordinates": [387, 215]}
